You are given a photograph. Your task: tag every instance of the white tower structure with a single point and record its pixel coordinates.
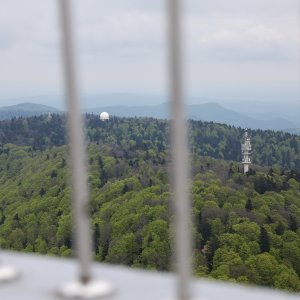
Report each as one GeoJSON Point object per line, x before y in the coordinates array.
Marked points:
{"type": "Point", "coordinates": [49, 116]}
{"type": "Point", "coordinates": [104, 116]}
{"type": "Point", "coordinates": [246, 151]}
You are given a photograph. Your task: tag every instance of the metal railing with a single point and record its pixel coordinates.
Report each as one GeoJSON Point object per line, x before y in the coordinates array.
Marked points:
{"type": "Point", "coordinates": [180, 169]}
{"type": "Point", "coordinates": [86, 286]}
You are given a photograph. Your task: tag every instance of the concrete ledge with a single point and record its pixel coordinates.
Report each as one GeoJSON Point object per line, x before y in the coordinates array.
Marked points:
{"type": "Point", "coordinates": [42, 277]}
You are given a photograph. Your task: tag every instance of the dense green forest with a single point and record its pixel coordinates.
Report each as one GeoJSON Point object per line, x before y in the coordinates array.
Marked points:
{"type": "Point", "coordinates": [246, 227]}
{"type": "Point", "coordinates": [147, 134]}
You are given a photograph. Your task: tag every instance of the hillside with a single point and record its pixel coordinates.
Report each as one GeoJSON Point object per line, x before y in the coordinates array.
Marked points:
{"type": "Point", "coordinates": [25, 110]}
{"type": "Point", "coordinates": [246, 227]}
{"type": "Point", "coordinates": [210, 112]}
{"type": "Point", "coordinates": [132, 134]}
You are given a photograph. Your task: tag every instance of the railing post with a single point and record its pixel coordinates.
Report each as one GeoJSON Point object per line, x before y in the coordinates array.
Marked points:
{"type": "Point", "coordinates": [8, 273]}
{"type": "Point", "coordinates": [180, 168]}
{"type": "Point", "coordinates": [85, 287]}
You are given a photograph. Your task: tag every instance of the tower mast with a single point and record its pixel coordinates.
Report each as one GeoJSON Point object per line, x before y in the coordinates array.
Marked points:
{"type": "Point", "coordinates": [246, 151]}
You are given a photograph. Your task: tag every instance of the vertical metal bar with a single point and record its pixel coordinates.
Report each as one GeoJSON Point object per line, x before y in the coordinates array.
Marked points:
{"type": "Point", "coordinates": [180, 169]}
{"type": "Point", "coordinates": [81, 223]}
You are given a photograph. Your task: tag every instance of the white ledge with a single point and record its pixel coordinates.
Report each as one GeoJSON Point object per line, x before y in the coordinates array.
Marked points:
{"type": "Point", "coordinates": [42, 277]}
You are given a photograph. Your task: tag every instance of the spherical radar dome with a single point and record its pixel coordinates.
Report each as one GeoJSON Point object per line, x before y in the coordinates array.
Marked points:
{"type": "Point", "coordinates": [104, 116]}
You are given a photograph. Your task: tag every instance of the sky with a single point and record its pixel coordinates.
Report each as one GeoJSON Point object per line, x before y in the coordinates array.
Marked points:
{"type": "Point", "coordinates": [233, 49]}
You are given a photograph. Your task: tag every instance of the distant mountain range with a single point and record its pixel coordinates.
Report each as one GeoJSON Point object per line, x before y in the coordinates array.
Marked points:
{"type": "Point", "coordinates": [25, 110]}
{"type": "Point", "coordinates": [206, 112]}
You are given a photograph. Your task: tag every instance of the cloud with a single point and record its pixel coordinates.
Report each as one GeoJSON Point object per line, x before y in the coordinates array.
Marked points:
{"type": "Point", "coordinates": [123, 34]}
{"type": "Point", "coordinates": [216, 29]}
{"type": "Point", "coordinates": [236, 39]}
{"type": "Point", "coordinates": [120, 37]}
{"type": "Point", "coordinates": [5, 40]}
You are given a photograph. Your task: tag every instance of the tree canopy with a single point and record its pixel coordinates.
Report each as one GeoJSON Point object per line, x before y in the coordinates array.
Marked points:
{"type": "Point", "coordinates": [246, 226]}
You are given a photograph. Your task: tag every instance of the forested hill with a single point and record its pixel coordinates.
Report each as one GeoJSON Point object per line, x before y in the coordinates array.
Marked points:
{"type": "Point", "coordinates": [131, 134]}
{"type": "Point", "coordinates": [246, 227]}
{"type": "Point", "coordinates": [25, 110]}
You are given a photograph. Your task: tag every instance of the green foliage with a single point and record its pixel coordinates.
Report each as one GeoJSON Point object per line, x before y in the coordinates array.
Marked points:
{"type": "Point", "coordinates": [131, 135]}
{"type": "Point", "coordinates": [246, 226]}
{"type": "Point", "coordinates": [264, 240]}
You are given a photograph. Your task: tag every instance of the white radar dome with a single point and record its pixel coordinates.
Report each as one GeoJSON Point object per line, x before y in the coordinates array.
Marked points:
{"type": "Point", "coordinates": [104, 116]}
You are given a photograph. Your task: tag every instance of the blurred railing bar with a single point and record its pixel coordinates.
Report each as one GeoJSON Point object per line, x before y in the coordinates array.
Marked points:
{"type": "Point", "coordinates": [81, 221]}
{"type": "Point", "coordinates": [179, 150]}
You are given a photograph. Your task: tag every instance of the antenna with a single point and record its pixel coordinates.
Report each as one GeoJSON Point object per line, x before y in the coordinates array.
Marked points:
{"type": "Point", "coordinates": [246, 151]}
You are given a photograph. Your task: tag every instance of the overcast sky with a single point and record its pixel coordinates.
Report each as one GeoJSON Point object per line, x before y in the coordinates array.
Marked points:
{"type": "Point", "coordinates": [234, 49]}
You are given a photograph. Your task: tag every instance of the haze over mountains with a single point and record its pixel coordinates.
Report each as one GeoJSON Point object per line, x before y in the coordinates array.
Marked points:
{"type": "Point", "coordinates": [263, 115]}
{"type": "Point", "coordinates": [25, 110]}
{"type": "Point", "coordinates": [205, 112]}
